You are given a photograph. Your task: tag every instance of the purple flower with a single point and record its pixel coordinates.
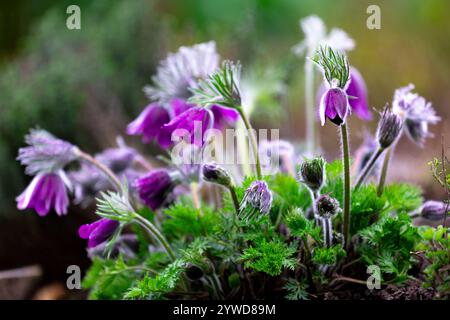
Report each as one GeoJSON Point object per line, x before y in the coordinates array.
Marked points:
{"type": "Point", "coordinates": [155, 187]}
{"type": "Point", "coordinates": [416, 112]}
{"type": "Point", "coordinates": [357, 95]}
{"type": "Point", "coordinates": [45, 153]}
{"type": "Point", "coordinates": [334, 106]}
{"type": "Point", "coordinates": [98, 232]}
{"type": "Point", "coordinates": [46, 191]}
{"type": "Point", "coordinates": [358, 90]}
{"type": "Point", "coordinates": [190, 125]}
{"type": "Point", "coordinates": [257, 198]}
{"type": "Point", "coordinates": [434, 210]}
{"type": "Point", "coordinates": [149, 122]}
{"type": "Point", "coordinates": [117, 159]}
{"type": "Point", "coordinates": [223, 116]}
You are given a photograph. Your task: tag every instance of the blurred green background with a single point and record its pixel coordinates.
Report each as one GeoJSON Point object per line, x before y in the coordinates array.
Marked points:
{"type": "Point", "coordinates": [86, 85]}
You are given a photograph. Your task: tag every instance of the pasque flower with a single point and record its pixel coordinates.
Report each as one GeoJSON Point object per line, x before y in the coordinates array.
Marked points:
{"type": "Point", "coordinates": [45, 157]}
{"type": "Point", "coordinates": [98, 232]}
{"type": "Point", "coordinates": [216, 174]}
{"type": "Point", "coordinates": [334, 103]}
{"type": "Point", "coordinates": [46, 191]}
{"type": "Point", "coordinates": [416, 112]}
{"type": "Point", "coordinates": [45, 152]}
{"type": "Point", "coordinates": [181, 71]}
{"type": "Point", "coordinates": [312, 173]}
{"type": "Point", "coordinates": [257, 199]}
{"type": "Point", "coordinates": [155, 187]}
{"type": "Point", "coordinates": [434, 210]}
{"type": "Point", "coordinates": [326, 208]}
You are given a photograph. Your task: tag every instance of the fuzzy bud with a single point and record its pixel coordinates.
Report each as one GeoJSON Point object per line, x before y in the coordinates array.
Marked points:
{"type": "Point", "coordinates": [216, 174]}
{"type": "Point", "coordinates": [312, 173]}
{"type": "Point", "coordinates": [326, 206]}
{"type": "Point", "coordinates": [389, 128]}
{"type": "Point", "coordinates": [434, 210]}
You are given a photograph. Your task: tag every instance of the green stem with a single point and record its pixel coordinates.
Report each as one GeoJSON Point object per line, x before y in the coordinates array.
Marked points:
{"type": "Point", "coordinates": [150, 227]}
{"type": "Point", "coordinates": [234, 198]}
{"type": "Point", "coordinates": [346, 161]}
{"type": "Point", "coordinates": [368, 168]}
{"type": "Point", "coordinates": [253, 141]}
{"type": "Point", "coordinates": [384, 169]}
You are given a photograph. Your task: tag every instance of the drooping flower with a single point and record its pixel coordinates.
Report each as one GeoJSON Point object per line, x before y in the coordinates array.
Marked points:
{"type": "Point", "coordinates": [155, 187]}
{"type": "Point", "coordinates": [389, 128]}
{"type": "Point", "coordinates": [357, 93]}
{"type": "Point", "coordinates": [277, 155]}
{"type": "Point", "coordinates": [45, 153]}
{"type": "Point", "coordinates": [416, 112]}
{"type": "Point", "coordinates": [316, 36]}
{"type": "Point", "coordinates": [46, 191]}
{"type": "Point", "coordinates": [181, 71]}
{"type": "Point", "coordinates": [257, 199]}
{"type": "Point", "coordinates": [98, 232]}
{"type": "Point", "coordinates": [126, 246]}
{"type": "Point", "coordinates": [334, 106]}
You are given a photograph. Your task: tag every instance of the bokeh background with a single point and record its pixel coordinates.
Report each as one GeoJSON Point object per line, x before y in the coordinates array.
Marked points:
{"type": "Point", "coordinates": [86, 85]}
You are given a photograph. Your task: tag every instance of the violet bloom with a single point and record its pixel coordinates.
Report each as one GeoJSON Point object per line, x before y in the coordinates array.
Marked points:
{"type": "Point", "coordinates": [98, 232]}
{"type": "Point", "coordinates": [356, 91]}
{"type": "Point", "coordinates": [334, 105]}
{"type": "Point", "coordinates": [149, 122]}
{"type": "Point", "coordinates": [191, 125]}
{"type": "Point", "coordinates": [45, 153]}
{"type": "Point", "coordinates": [154, 187]}
{"type": "Point", "coordinates": [416, 112]}
{"type": "Point", "coordinates": [46, 191]}
{"type": "Point", "coordinates": [434, 210]}
{"type": "Point", "coordinates": [257, 199]}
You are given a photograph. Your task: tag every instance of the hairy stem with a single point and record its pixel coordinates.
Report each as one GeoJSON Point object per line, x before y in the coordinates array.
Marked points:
{"type": "Point", "coordinates": [346, 161]}
{"type": "Point", "coordinates": [195, 197]}
{"type": "Point", "coordinates": [368, 168]}
{"type": "Point", "coordinates": [253, 141]}
{"type": "Point", "coordinates": [384, 170]}
{"type": "Point", "coordinates": [153, 231]}
{"type": "Point", "coordinates": [234, 198]}
{"type": "Point", "coordinates": [111, 176]}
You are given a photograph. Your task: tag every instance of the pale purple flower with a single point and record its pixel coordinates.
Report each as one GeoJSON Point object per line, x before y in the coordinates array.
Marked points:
{"type": "Point", "coordinates": [434, 210]}
{"type": "Point", "coordinates": [98, 232]}
{"type": "Point", "coordinates": [117, 159]}
{"type": "Point", "coordinates": [180, 72]}
{"type": "Point", "coordinates": [357, 95]}
{"type": "Point", "coordinates": [416, 112]}
{"type": "Point", "coordinates": [45, 153]}
{"type": "Point", "coordinates": [46, 191]}
{"type": "Point", "coordinates": [334, 105]}
{"type": "Point", "coordinates": [155, 187]}
{"type": "Point", "coordinates": [257, 198]}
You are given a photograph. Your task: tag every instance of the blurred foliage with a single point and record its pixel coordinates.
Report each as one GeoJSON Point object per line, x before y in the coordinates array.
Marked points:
{"type": "Point", "coordinates": [85, 85]}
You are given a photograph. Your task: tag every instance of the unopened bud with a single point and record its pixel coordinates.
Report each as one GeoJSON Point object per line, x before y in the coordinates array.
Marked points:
{"type": "Point", "coordinates": [216, 174]}
{"type": "Point", "coordinates": [434, 210]}
{"type": "Point", "coordinates": [193, 272]}
{"type": "Point", "coordinates": [327, 206]}
{"type": "Point", "coordinates": [389, 128]}
{"type": "Point", "coordinates": [312, 173]}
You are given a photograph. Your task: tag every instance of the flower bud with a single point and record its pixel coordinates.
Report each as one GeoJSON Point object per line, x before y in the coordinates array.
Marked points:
{"type": "Point", "coordinates": [334, 106]}
{"type": "Point", "coordinates": [216, 174]}
{"type": "Point", "coordinates": [326, 206]}
{"type": "Point", "coordinates": [312, 173]}
{"type": "Point", "coordinates": [257, 198]}
{"type": "Point", "coordinates": [389, 128]}
{"type": "Point", "coordinates": [434, 210]}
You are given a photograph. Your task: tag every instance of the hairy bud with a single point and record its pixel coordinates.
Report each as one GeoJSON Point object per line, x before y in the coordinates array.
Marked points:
{"type": "Point", "coordinates": [312, 173]}
{"type": "Point", "coordinates": [216, 174]}
{"type": "Point", "coordinates": [389, 128]}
